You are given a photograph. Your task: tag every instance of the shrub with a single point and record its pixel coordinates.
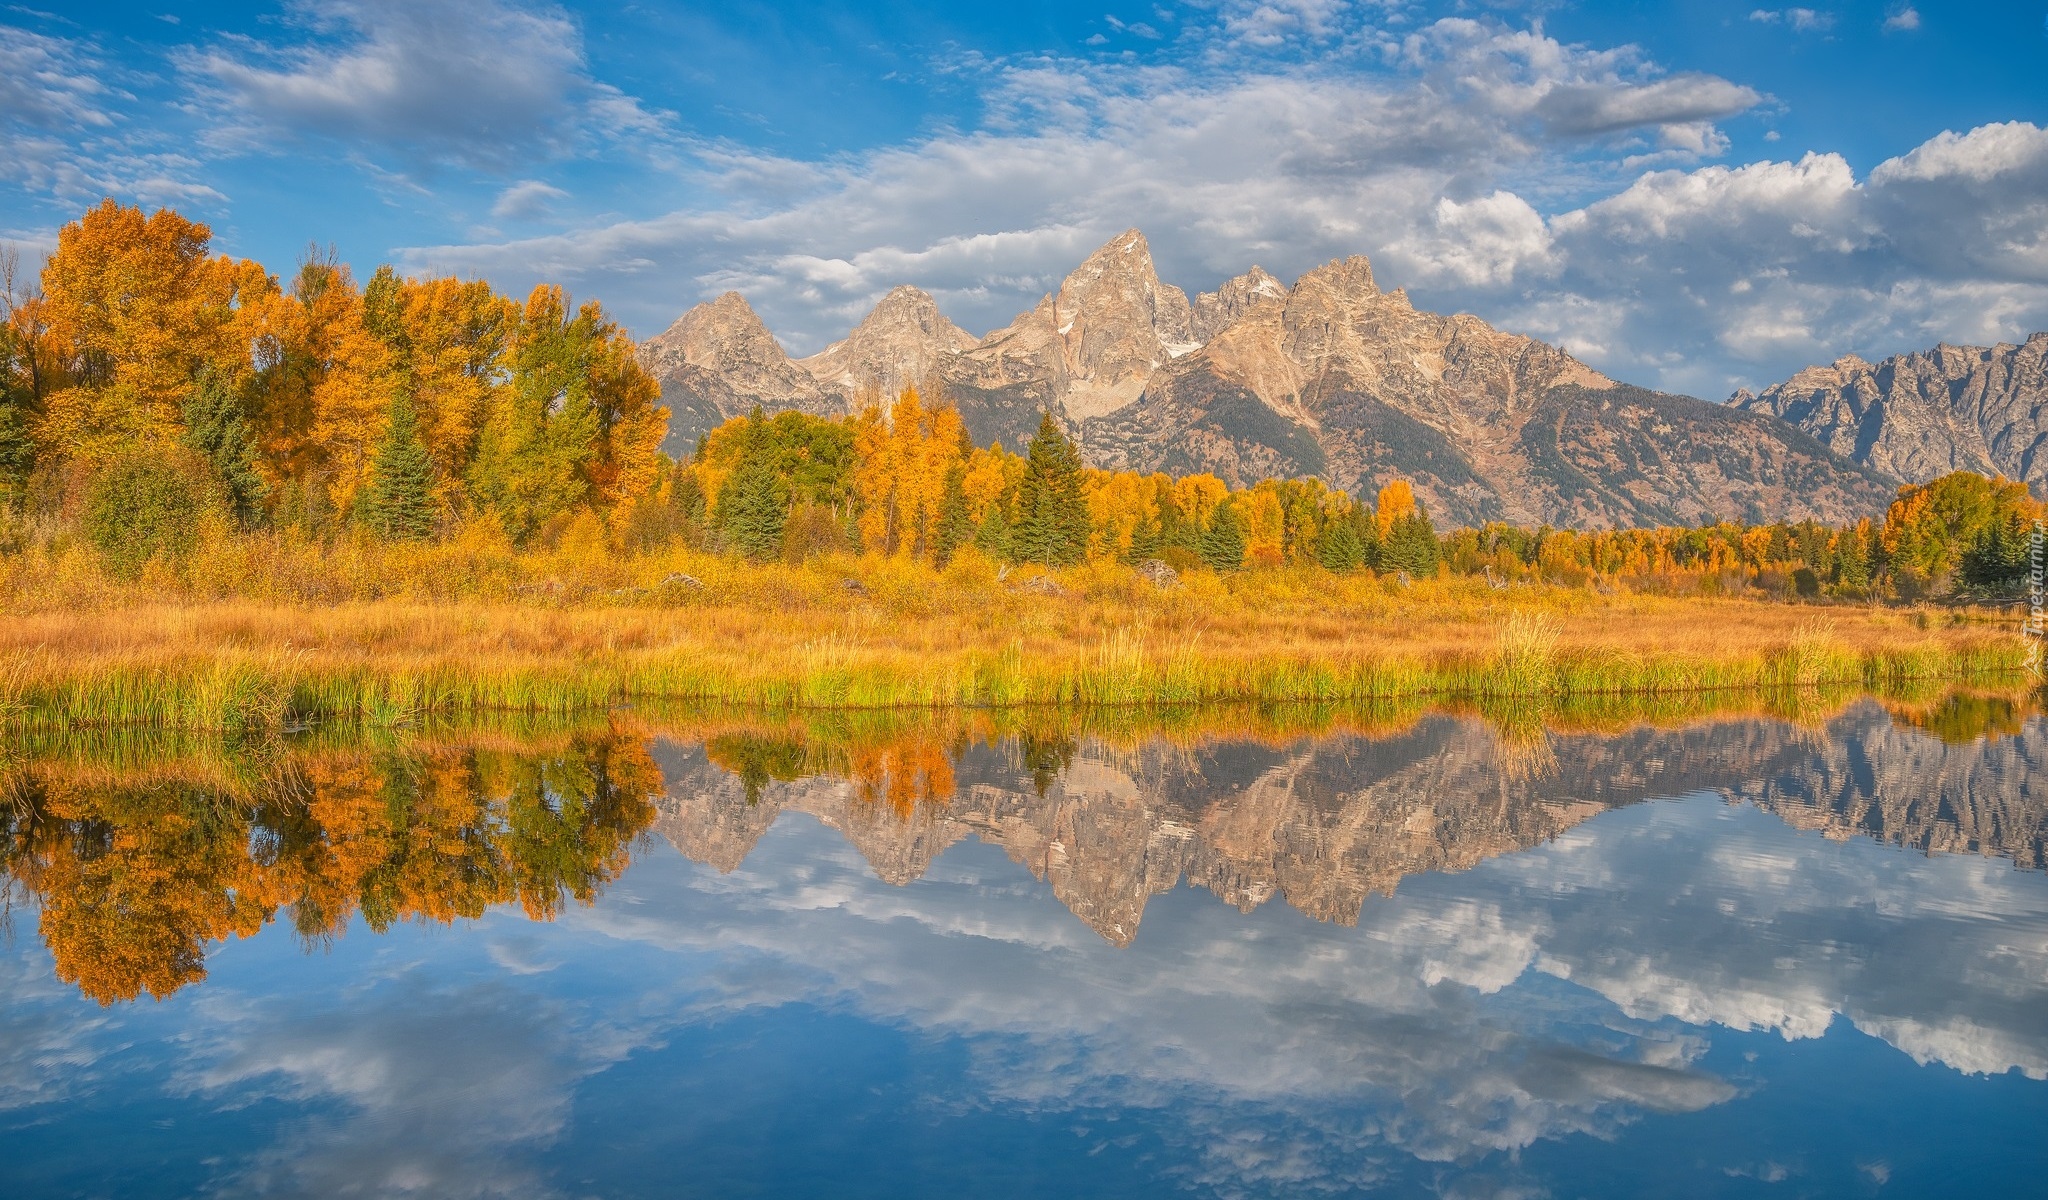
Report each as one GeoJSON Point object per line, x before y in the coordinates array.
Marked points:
{"type": "Point", "coordinates": [150, 505]}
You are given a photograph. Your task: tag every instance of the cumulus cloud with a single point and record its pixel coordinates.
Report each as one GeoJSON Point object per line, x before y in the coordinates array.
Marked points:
{"type": "Point", "coordinates": [1904, 20]}
{"type": "Point", "coordinates": [1712, 278]}
{"type": "Point", "coordinates": [1555, 189]}
{"type": "Point", "coordinates": [1222, 166]}
{"type": "Point", "coordinates": [476, 85]}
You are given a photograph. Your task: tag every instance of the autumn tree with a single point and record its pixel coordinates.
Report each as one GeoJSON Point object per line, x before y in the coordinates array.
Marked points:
{"type": "Point", "coordinates": [902, 458]}
{"type": "Point", "coordinates": [447, 341]}
{"type": "Point", "coordinates": [134, 307]}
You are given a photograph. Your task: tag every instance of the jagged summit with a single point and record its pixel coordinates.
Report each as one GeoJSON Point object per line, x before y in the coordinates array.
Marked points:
{"type": "Point", "coordinates": [1218, 310]}
{"type": "Point", "coordinates": [1330, 377]}
{"type": "Point", "coordinates": [1095, 341]}
{"type": "Point", "coordinates": [1918, 416]}
{"type": "Point", "coordinates": [902, 340]}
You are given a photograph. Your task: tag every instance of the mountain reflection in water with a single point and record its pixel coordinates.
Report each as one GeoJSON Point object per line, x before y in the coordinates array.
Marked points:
{"type": "Point", "coordinates": [1485, 944]}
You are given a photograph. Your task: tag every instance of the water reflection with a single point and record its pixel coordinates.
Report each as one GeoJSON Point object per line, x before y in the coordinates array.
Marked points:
{"type": "Point", "coordinates": [135, 866]}
{"type": "Point", "coordinates": [1454, 954]}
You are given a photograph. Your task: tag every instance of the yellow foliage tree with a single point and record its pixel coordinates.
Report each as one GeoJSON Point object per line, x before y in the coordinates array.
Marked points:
{"type": "Point", "coordinates": [901, 458]}
{"type": "Point", "coordinates": [135, 308]}
{"type": "Point", "coordinates": [1396, 500]}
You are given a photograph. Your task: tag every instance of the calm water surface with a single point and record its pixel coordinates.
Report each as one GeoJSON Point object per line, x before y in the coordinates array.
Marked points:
{"type": "Point", "coordinates": [1740, 956]}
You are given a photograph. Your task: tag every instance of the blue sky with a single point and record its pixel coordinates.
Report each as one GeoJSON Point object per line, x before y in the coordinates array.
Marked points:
{"type": "Point", "coordinates": [1694, 196]}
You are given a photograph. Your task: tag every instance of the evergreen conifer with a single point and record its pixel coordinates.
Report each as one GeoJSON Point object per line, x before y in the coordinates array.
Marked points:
{"type": "Point", "coordinates": [215, 428]}
{"type": "Point", "coordinates": [1147, 539]}
{"type": "Point", "coordinates": [1222, 544]}
{"type": "Point", "coordinates": [753, 505]}
{"type": "Point", "coordinates": [1052, 513]}
{"type": "Point", "coordinates": [992, 537]}
{"type": "Point", "coordinates": [401, 502]}
{"type": "Point", "coordinates": [1340, 548]}
{"type": "Point", "coordinates": [1411, 545]}
{"type": "Point", "coordinates": [956, 519]}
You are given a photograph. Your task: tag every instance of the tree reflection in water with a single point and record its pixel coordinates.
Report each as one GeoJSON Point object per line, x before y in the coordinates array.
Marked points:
{"type": "Point", "coordinates": [135, 869]}
{"type": "Point", "coordinates": [138, 852]}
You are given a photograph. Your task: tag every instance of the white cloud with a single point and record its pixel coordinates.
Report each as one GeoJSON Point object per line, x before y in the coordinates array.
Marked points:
{"type": "Point", "coordinates": [482, 85]}
{"type": "Point", "coordinates": [62, 132]}
{"type": "Point", "coordinates": [1801, 20]}
{"type": "Point", "coordinates": [1222, 165]}
{"type": "Point", "coordinates": [1905, 20]}
{"type": "Point", "coordinates": [525, 200]}
{"type": "Point", "coordinates": [1493, 170]}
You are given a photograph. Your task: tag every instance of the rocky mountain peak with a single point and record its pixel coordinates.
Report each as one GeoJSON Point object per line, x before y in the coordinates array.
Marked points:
{"type": "Point", "coordinates": [718, 361]}
{"type": "Point", "coordinates": [718, 335]}
{"type": "Point", "coordinates": [1097, 339]}
{"type": "Point", "coordinates": [1218, 310]}
{"type": "Point", "coordinates": [902, 340]}
{"type": "Point", "coordinates": [1330, 377]}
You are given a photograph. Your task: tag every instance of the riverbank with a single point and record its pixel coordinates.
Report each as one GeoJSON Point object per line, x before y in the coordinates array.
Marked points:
{"type": "Point", "coordinates": [893, 637]}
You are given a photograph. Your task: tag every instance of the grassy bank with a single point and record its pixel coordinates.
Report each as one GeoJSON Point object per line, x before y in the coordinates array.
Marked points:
{"type": "Point", "coordinates": [880, 634]}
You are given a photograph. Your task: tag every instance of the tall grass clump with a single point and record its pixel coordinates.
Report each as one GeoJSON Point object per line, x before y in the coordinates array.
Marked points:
{"type": "Point", "coordinates": [1525, 658]}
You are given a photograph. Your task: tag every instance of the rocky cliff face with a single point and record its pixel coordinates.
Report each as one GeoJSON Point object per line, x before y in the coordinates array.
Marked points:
{"type": "Point", "coordinates": [1323, 824]}
{"type": "Point", "coordinates": [1331, 377]}
{"type": "Point", "coordinates": [1919, 416]}
{"type": "Point", "coordinates": [901, 342]}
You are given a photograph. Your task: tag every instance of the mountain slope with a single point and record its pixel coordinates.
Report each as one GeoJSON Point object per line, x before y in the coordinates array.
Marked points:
{"type": "Point", "coordinates": [1918, 416]}
{"type": "Point", "coordinates": [1335, 378]}
{"type": "Point", "coordinates": [718, 361]}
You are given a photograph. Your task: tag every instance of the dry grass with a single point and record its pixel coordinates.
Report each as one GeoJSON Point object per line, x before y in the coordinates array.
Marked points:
{"type": "Point", "coordinates": [911, 636]}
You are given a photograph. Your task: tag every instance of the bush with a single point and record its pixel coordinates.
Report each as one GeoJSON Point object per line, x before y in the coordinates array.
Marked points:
{"type": "Point", "coordinates": [150, 505]}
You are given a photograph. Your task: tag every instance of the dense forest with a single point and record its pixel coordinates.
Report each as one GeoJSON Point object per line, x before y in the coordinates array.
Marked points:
{"type": "Point", "coordinates": [156, 399]}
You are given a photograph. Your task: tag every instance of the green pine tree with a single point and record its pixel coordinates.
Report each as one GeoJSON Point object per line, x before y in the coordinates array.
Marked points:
{"type": "Point", "coordinates": [1147, 539]}
{"type": "Point", "coordinates": [217, 430]}
{"type": "Point", "coordinates": [992, 537]}
{"type": "Point", "coordinates": [1852, 562]}
{"type": "Point", "coordinates": [1411, 545]}
{"type": "Point", "coordinates": [1340, 548]}
{"type": "Point", "coordinates": [1222, 545]}
{"type": "Point", "coordinates": [956, 518]}
{"type": "Point", "coordinates": [753, 506]}
{"type": "Point", "coordinates": [1052, 514]}
{"type": "Point", "coordinates": [401, 502]}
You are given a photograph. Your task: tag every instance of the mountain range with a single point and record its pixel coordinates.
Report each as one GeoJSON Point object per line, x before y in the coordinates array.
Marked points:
{"type": "Point", "coordinates": [1917, 416]}
{"type": "Point", "coordinates": [1333, 377]}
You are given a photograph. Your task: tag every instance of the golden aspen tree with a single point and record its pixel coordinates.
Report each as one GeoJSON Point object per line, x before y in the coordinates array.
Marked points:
{"type": "Point", "coordinates": [324, 385]}
{"type": "Point", "coordinates": [1395, 501]}
{"type": "Point", "coordinates": [1261, 509]}
{"type": "Point", "coordinates": [1196, 497]}
{"type": "Point", "coordinates": [135, 307]}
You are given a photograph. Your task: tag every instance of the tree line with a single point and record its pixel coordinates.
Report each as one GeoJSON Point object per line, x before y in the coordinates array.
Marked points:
{"type": "Point", "coordinates": [153, 394]}
{"type": "Point", "coordinates": [904, 479]}
{"type": "Point", "coordinates": [148, 385]}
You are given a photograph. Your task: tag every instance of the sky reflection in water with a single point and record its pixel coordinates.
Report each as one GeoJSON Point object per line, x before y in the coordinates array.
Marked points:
{"type": "Point", "coordinates": [1408, 962]}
